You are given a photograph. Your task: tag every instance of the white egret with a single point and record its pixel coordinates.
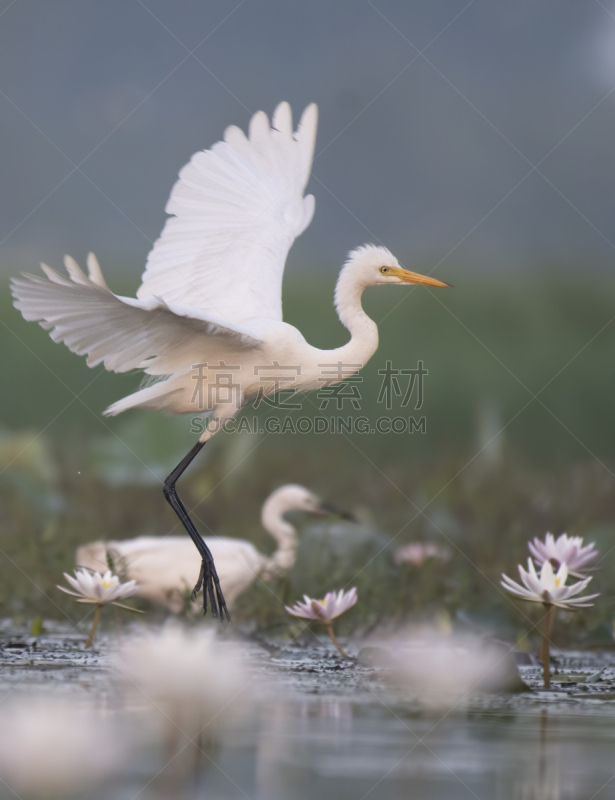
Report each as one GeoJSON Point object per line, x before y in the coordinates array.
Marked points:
{"type": "Point", "coordinates": [207, 321]}
{"type": "Point", "coordinates": [164, 567]}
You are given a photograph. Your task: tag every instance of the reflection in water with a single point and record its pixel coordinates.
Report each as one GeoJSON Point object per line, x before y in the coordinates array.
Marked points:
{"type": "Point", "coordinates": [369, 745]}
{"type": "Point", "coordinates": [333, 749]}
{"type": "Point", "coordinates": [289, 731]}
{"type": "Point", "coordinates": [540, 779]}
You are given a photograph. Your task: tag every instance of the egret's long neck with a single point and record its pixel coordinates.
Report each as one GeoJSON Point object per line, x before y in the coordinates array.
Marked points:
{"type": "Point", "coordinates": [363, 330]}
{"type": "Point", "coordinates": [272, 518]}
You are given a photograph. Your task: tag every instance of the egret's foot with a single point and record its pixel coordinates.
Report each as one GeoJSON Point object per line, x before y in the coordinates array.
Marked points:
{"type": "Point", "coordinates": [210, 583]}
{"type": "Point", "coordinates": [199, 583]}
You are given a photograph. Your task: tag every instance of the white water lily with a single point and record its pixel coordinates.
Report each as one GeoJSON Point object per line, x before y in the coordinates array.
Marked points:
{"type": "Point", "coordinates": [568, 550]}
{"type": "Point", "coordinates": [50, 748]}
{"type": "Point", "coordinates": [325, 611]}
{"type": "Point", "coordinates": [190, 678]}
{"type": "Point", "coordinates": [550, 587]}
{"type": "Point", "coordinates": [92, 587]}
{"type": "Point", "coordinates": [100, 590]}
{"type": "Point", "coordinates": [446, 671]}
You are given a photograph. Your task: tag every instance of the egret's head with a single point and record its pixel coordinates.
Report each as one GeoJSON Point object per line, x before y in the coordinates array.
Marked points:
{"type": "Point", "coordinates": [296, 498]}
{"type": "Point", "coordinates": [377, 266]}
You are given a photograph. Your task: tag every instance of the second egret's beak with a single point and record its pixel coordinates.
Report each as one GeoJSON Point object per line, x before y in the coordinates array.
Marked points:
{"type": "Point", "coordinates": [329, 508]}
{"type": "Point", "coordinates": [405, 276]}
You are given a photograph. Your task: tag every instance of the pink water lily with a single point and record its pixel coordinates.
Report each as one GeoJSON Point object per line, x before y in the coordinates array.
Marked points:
{"type": "Point", "coordinates": [568, 550]}
{"type": "Point", "coordinates": [326, 610]}
{"type": "Point", "coordinates": [417, 552]}
{"type": "Point", "coordinates": [92, 587]}
{"type": "Point", "coordinates": [549, 588]}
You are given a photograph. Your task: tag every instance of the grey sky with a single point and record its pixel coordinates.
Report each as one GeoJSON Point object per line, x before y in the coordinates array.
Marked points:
{"type": "Point", "coordinates": [413, 153]}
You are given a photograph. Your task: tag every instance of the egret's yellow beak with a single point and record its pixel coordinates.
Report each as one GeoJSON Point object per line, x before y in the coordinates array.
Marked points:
{"type": "Point", "coordinates": [405, 276]}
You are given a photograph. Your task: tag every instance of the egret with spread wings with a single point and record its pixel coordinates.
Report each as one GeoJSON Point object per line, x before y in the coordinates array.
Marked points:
{"type": "Point", "coordinates": [207, 321]}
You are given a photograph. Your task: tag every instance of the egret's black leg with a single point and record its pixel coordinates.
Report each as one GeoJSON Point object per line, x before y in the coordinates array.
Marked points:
{"type": "Point", "coordinates": [208, 577]}
{"type": "Point", "coordinates": [199, 583]}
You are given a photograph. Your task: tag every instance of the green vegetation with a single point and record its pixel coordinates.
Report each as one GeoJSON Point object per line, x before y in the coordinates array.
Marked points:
{"type": "Point", "coordinates": [67, 475]}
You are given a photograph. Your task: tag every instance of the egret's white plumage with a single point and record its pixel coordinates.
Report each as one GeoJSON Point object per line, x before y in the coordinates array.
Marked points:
{"type": "Point", "coordinates": [236, 210]}
{"type": "Point", "coordinates": [212, 287]}
{"type": "Point", "coordinates": [165, 567]}
{"type": "Point", "coordinates": [210, 301]}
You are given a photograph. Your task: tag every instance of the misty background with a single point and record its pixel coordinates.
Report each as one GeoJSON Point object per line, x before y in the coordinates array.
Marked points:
{"type": "Point", "coordinates": [433, 115]}
{"type": "Point", "coordinates": [473, 138]}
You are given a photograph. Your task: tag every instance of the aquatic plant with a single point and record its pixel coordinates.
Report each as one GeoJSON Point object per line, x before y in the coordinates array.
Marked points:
{"type": "Point", "coordinates": [101, 590]}
{"type": "Point", "coordinates": [325, 611]}
{"type": "Point", "coordinates": [548, 588]}
{"type": "Point", "coordinates": [517, 498]}
{"type": "Point", "coordinates": [568, 550]}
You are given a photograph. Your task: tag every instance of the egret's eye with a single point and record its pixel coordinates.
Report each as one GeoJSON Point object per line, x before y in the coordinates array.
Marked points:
{"type": "Point", "coordinates": [384, 270]}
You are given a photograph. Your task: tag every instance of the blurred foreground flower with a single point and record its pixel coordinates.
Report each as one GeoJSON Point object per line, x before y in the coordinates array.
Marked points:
{"type": "Point", "coordinates": [549, 589]}
{"type": "Point", "coordinates": [325, 611]}
{"type": "Point", "coordinates": [192, 678]}
{"type": "Point", "coordinates": [92, 587]}
{"type": "Point", "coordinates": [50, 749]}
{"type": "Point", "coordinates": [418, 552]}
{"type": "Point", "coordinates": [568, 550]}
{"type": "Point", "coordinates": [444, 671]}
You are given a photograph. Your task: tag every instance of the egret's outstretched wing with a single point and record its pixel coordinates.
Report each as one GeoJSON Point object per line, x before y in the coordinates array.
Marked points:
{"type": "Point", "coordinates": [236, 210]}
{"type": "Point", "coordinates": [122, 333]}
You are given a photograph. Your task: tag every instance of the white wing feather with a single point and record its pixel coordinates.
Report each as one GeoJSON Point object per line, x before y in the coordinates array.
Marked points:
{"type": "Point", "coordinates": [123, 333]}
{"type": "Point", "coordinates": [236, 210]}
